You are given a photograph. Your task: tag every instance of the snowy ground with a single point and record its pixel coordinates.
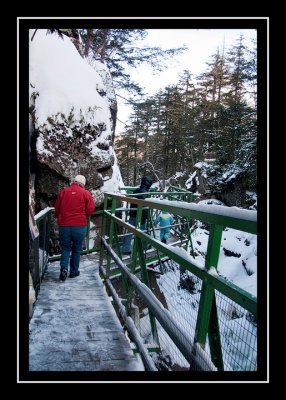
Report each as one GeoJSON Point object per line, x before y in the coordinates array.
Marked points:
{"type": "Point", "coordinates": [238, 256]}
{"type": "Point", "coordinates": [237, 326]}
{"type": "Point", "coordinates": [237, 263]}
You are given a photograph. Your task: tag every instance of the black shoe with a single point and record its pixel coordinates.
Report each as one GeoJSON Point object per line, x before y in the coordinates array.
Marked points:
{"type": "Point", "coordinates": [164, 241]}
{"type": "Point", "coordinates": [126, 252]}
{"type": "Point", "coordinates": [74, 275]}
{"type": "Point", "coordinates": [63, 274]}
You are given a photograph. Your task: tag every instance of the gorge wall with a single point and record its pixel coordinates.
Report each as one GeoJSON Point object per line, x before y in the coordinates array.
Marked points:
{"type": "Point", "coordinates": [72, 121]}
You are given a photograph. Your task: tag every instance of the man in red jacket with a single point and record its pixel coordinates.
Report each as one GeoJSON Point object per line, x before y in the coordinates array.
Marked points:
{"type": "Point", "coordinates": [72, 207]}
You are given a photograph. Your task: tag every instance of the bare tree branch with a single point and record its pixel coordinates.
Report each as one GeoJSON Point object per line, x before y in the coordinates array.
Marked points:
{"type": "Point", "coordinates": [151, 166]}
{"type": "Point", "coordinates": [33, 34]}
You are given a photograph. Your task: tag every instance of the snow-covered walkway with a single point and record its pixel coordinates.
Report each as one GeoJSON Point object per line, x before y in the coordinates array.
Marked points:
{"type": "Point", "coordinates": [74, 326]}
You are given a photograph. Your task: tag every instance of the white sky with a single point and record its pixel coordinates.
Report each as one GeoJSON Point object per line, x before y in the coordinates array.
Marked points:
{"type": "Point", "coordinates": [201, 43]}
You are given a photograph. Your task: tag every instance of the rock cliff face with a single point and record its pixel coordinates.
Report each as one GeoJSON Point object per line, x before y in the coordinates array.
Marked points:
{"type": "Point", "coordinates": [72, 121]}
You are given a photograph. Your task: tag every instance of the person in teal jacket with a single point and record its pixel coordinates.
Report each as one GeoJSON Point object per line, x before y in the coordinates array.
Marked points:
{"type": "Point", "coordinates": [164, 219]}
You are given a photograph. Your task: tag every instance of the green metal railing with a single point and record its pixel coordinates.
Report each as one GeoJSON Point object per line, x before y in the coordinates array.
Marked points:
{"type": "Point", "coordinates": [217, 311]}
{"type": "Point", "coordinates": [215, 290]}
{"type": "Point", "coordinates": [38, 254]}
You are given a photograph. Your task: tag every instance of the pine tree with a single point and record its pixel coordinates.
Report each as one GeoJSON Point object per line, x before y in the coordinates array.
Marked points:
{"type": "Point", "coordinates": [214, 115]}
{"type": "Point", "coordinates": [117, 48]}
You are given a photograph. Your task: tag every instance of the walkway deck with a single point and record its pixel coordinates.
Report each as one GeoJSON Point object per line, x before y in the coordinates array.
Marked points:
{"type": "Point", "coordinates": [74, 326]}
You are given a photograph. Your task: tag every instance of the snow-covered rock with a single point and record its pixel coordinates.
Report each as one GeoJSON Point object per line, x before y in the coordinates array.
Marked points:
{"type": "Point", "coordinates": [73, 113]}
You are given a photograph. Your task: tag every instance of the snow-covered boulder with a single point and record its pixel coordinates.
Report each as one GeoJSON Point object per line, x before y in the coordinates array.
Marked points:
{"type": "Point", "coordinates": [72, 113]}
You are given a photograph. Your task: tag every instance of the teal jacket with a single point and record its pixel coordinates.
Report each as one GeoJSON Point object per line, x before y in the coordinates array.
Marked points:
{"type": "Point", "coordinates": [164, 219]}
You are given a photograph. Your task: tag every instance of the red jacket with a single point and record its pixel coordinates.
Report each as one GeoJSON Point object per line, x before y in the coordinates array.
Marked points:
{"type": "Point", "coordinates": [73, 205]}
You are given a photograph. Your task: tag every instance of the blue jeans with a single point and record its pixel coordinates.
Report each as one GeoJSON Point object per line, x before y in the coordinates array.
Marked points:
{"type": "Point", "coordinates": [164, 233]}
{"type": "Point", "coordinates": [126, 246]}
{"type": "Point", "coordinates": [71, 238]}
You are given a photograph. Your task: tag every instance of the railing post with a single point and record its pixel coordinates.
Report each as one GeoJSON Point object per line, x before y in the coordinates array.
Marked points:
{"type": "Point", "coordinates": [145, 279]}
{"type": "Point", "coordinates": [111, 234]}
{"type": "Point", "coordinates": [48, 236]}
{"type": "Point", "coordinates": [103, 229]}
{"type": "Point", "coordinates": [36, 272]}
{"type": "Point", "coordinates": [207, 321]}
{"type": "Point", "coordinates": [188, 234]}
{"type": "Point", "coordinates": [43, 234]}
{"type": "Point", "coordinates": [154, 235]}
{"type": "Point", "coordinates": [87, 235]}
{"type": "Point", "coordinates": [138, 251]}
{"type": "Point", "coordinates": [214, 338]}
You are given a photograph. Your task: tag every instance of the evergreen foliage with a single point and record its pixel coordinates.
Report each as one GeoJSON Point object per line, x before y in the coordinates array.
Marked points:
{"type": "Point", "coordinates": [117, 49]}
{"type": "Point", "coordinates": [212, 117]}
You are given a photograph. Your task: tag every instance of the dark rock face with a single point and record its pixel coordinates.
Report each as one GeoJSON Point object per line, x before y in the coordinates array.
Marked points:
{"type": "Point", "coordinates": [233, 192]}
{"type": "Point", "coordinates": [48, 184]}
{"type": "Point", "coordinates": [65, 156]}
{"type": "Point", "coordinates": [232, 187]}
{"type": "Point", "coordinates": [230, 253]}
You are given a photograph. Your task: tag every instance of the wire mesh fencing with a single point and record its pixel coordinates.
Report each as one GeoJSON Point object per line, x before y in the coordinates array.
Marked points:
{"type": "Point", "coordinates": [179, 293]}
{"type": "Point", "coordinates": [238, 332]}
{"type": "Point", "coordinates": [192, 317]}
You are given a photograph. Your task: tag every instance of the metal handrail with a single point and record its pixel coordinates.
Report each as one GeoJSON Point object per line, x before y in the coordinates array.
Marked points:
{"type": "Point", "coordinates": [217, 217]}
